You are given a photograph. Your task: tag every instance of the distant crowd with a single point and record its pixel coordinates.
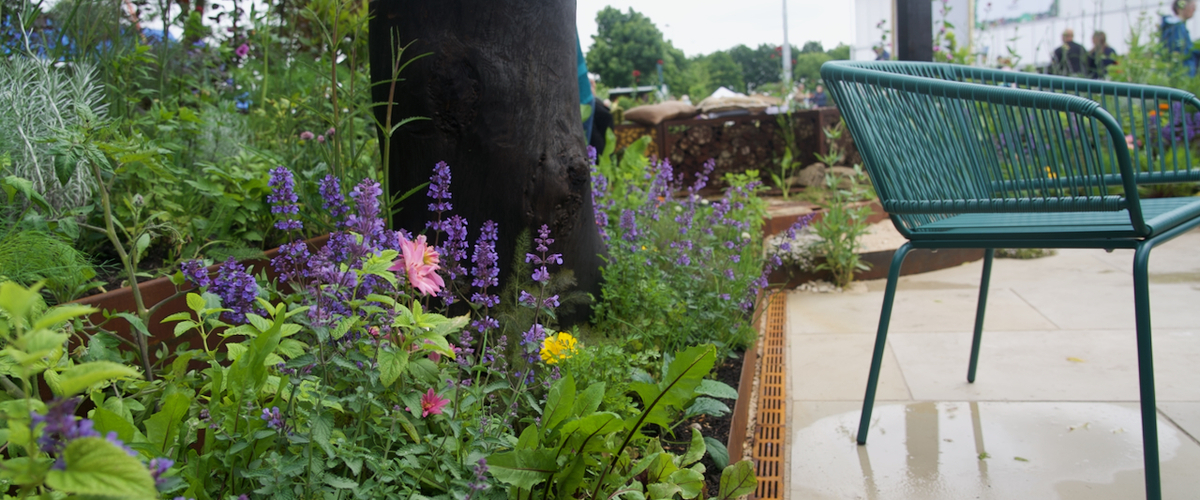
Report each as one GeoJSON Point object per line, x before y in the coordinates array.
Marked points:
{"type": "Point", "coordinates": [1072, 59]}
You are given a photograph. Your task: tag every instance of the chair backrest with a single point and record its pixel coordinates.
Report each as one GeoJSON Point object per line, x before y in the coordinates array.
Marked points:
{"type": "Point", "coordinates": [940, 139]}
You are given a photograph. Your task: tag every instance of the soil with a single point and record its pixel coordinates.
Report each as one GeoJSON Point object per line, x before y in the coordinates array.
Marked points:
{"type": "Point", "coordinates": [729, 372]}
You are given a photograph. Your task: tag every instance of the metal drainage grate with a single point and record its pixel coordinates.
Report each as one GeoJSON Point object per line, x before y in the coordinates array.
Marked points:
{"type": "Point", "coordinates": [769, 427]}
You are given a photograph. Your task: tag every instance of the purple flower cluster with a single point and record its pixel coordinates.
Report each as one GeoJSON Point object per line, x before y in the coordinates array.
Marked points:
{"type": "Point", "coordinates": [196, 272]}
{"type": "Point", "coordinates": [331, 198]}
{"type": "Point", "coordinates": [455, 249]}
{"type": "Point", "coordinates": [237, 290]}
{"type": "Point", "coordinates": [541, 274]}
{"type": "Point", "coordinates": [481, 469]}
{"type": "Point", "coordinates": [486, 270]}
{"type": "Point", "coordinates": [1183, 127]}
{"type": "Point", "coordinates": [61, 427]}
{"type": "Point", "coordinates": [366, 221]}
{"type": "Point", "coordinates": [439, 192]}
{"type": "Point", "coordinates": [283, 199]}
{"type": "Point", "coordinates": [274, 418]}
{"type": "Point", "coordinates": [292, 261]}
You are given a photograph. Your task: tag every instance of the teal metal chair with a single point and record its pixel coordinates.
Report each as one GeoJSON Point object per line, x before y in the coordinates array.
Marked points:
{"type": "Point", "coordinates": [965, 157]}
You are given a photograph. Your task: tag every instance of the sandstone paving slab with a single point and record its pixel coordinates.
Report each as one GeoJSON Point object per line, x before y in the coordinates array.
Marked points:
{"type": "Point", "coordinates": [1070, 365]}
{"type": "Point", "coordinates": [835, 367]}
{"type": "Point", "coordinates": [944, 308]}
{"type": "Point", "coordinates": [986, 450]}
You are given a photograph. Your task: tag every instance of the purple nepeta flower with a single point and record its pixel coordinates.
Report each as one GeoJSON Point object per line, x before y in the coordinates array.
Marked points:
{"type": "Point", "coordinates": [196, 272]}
{"type": "Point", "coordinates": [158, 467]}
{"type": "Point", "coordinates": [283, 198]}
{"type": "Point", "coordinates": [543, 240]}
{"type": "Point", "coordinates": [273, 417]}
{"type": "Point", "coordinates": [629, 225]}
{"type": "Point", "coordinates": [331, 194]}
{"type": "Point", "coordinates": [481, 469]}
{"type": "Point", "coordinates": [541, 275]}
{"type": "Point", "coordinates": [534, 336]}
{"type": "Point", "coordinates": [439, 192]}
{"type": "Point", "coordinates": [486, 270]}
{"type": "Point", "coordinates": [455, 248]}
{"type": "Point", "coordinates": [366, 221]}
{"type": "Point", "coordinates": [292, 261]}
{"type": "Point", "coordinates": [592, 155]}
{"type": "Point", "coordinates": [729, 274]}
{"type": "Point", "coordinates": [237, 290]}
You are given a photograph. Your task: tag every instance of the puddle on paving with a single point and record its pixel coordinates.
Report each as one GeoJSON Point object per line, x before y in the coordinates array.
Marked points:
{"type": "Point", "coordinates": [986, 450]}
{"type": "Point", "coordinates": [1173, 278]}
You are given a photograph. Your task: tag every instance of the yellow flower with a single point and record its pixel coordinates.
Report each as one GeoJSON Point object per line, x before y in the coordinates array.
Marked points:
{"type": "Point", "coordinates": [1051, 174]}
{"type": "Point", "coordinates": [558, 347]}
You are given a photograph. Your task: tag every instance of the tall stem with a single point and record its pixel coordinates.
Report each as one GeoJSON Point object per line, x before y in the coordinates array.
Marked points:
{"type": "Point", "coordinates": [130, 271]}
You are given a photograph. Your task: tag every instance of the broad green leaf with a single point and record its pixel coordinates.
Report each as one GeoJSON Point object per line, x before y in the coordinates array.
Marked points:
{"type": "Point", "coordinates": [97, 467]}
{"type": "Point", "coordinates": [662, 491]}
{"type": "Point", "coordinates": [163, 426]}
{"type": "Point", "coordinates": [559, 402]}
{"type": "Point", "coordinates": [54, 380]}
{"type": "Point", "coordinates": [589, 400]}
{"type": "Point", "coordinates": [571, 477]}
{"type": "Point", "coordinates": [737, 480]}
{"type": "Point", "coordinates": [184, 326]}
{"type": "Point", "coordinates": [423, 369]}
{"type": "Point", "coordinates": [106, 421]}
{"type": "Point", "coordinates": [695, 450]}
{"type": "Point", "coordinates": [179, 316]}
{"type": "Point", "coordinates": [709, 387]}
{"type": "Point", "coordinates": [391, 365]}
{"type": "Point", "coordinates": [718, 452]}
{"type": "Point", "coordinates": [661, 466]}
{"type": "Point", "coordinates": [707, 406]}
{"type": "Point", "coordinates": [64, 167]}
{"type": "Point", "coordinates": [595, 425]}
{"type": "Point", "coordinates": [690, 482]}
{"type": "Point", "coordinates": [62, 313]}
{"type": "Point", "coordinates": [195, 302]}
{"type": "Point", "coordinates": [79, 377]}
{"type": "Point", "coordinates": [529, 439]}
{"type": "Point", "coordinates": [522, 468]}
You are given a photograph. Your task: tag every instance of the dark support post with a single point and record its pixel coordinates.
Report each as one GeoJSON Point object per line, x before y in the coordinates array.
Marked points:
{"type": "Point", "coordinates": [914, 30]}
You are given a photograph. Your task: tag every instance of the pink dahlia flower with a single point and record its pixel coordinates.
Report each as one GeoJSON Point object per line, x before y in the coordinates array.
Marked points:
{"type": "Point", "coordinates": [419, 262]}
{"type": "Point", "coordinates": [432, 404]}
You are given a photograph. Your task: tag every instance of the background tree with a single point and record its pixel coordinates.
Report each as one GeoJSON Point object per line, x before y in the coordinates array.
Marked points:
{"type": "Point", "coordinates": [807, 67]}
{"type": "Point", "coordinates": [812, 46]}
{"type": "Point", "coordinates": [723, 71]}
{"type": "Point", "coordinates": [503, 113]}
{"type": "Point", "coordinates": [625, 41]}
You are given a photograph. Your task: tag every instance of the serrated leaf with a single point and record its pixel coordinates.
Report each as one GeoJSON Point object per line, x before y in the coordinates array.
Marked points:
{"type": "Point", "coordinates": [391, 365]}
{"type": "Point", "coordinates": [737, 480]}
{"type": "Point", "coordinates": [179, 316]}
{"type": "Point", "coordinates": [195, 302]}
{"type": "Point", "coordinates": [339, 482]}
{"type": "Point", "coordinates": [322, 432]}
{"type": "Point", "coordinates": [79, 377]}
{"type": "Point", "coordinates": [62, 313]}
{"type": "Point", "coordinates": [97, 467]}
{"type": "Point", "coordinates": [713, 388]}
{"type": "Point", "coordinates": [106, 421]}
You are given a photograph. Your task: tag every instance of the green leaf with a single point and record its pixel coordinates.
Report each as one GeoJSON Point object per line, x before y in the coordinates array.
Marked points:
{"type": "Point", "coordinates": [64, 167]}
{"type": "Point", "coordinates": [322, 432]}
{"type": "Point", "coordinates": [707, 406]}
{"type": "Point", "coordinates": [589, 400]}
{"type": "Point", "coordinates": [559, 402]}
{"type": "Point", "coordinates": [661, 466]}
{"type": "Point", "coordinates": [737, 480]}
{"type": "Point", "coordinates": [596, 424]}
{"type": "Point", "coordinates": [718, 452]}
{"type": "Point", "coordinates": [179, 316]}
{"type": "Point", "coordinates": [522, 468]}
{"type": "Point", "coordinates": [391, 365]}
{"type": "Point", "coordinates": [339, 482]}
{"type": "Point", "coordinates": [695, 450]}
{"type": "Point", "coordinates": [163, 426]}
{"type": "Point", "coordinates": [82, 376]}
{"type": "Point", "coordinates": [107, 421]}
{"type": "Point", "coordinates": [195, 302]}
{"type": "Point", "coordinates": [62, 313]}
{"type": "Point", "coordinates": [663, 491]}
{"type": "Point", "coordinates": [423, 369]}
{"type": "Point", "coordinates": [97, 467]}
{"type": "Point", "coordinates": [709, 387]}
{"type": "Point", "coordinates": [690, 482]}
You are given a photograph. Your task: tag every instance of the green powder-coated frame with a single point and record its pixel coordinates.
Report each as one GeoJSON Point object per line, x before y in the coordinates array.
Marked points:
{"type": "Point", "coordinates": [965, 157]}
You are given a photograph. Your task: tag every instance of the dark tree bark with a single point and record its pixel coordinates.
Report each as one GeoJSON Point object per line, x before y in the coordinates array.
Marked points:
{"type": "Point", "coordinates": [501, 92]}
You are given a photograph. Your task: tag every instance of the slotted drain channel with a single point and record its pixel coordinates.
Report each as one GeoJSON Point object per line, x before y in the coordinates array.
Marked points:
{"type": "Point", "coordinates": [769, 427]}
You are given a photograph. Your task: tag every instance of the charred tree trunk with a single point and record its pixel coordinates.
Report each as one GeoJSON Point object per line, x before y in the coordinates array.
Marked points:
{"type": "Point", "coordinates": [501, 94]}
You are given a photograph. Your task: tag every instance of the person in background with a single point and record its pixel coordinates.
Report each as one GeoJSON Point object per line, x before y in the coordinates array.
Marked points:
{"type": "Point", "coordinates": [601, 122]}
{"type": "Point", "coordinates": [818, 98]}
{"type": "Point", "coordinates": [1175, 36]}
{"type": "Point", "coordinates": [881, 54]}
{"type": "Point", "coordinates": [801, 98]}
{"type": "Point", "coordinates": [587, 100]}
{"type": "Point", "coordinates": [1070, 59]}
{"type": "Point", "coordinates": [1101, 56]}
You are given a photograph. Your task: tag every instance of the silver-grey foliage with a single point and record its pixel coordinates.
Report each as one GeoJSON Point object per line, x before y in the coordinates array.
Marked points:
{"type": "Point", "coordinates": [37, 98]}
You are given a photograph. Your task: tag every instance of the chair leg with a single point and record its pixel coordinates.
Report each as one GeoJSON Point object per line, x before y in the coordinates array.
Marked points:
{"type": "Point", "coordinates": [885, 317]}
{"type": "Point", "coordinates": [1141, 300]}
{"type": "Point", "coordinates": [988, 254]}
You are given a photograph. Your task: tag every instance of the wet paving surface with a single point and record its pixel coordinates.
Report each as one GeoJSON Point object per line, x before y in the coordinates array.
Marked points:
{"type": "Point", "coordinates": [1053, 413]}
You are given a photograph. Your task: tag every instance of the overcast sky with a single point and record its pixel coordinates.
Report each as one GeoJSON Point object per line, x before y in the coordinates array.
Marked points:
{"type": "Point", "coordinates": [704, 26]}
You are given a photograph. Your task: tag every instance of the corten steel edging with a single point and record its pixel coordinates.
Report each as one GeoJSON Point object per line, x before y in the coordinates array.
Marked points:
{"type": "Point", "coordinates": [919, 260]}
{"type": "Point", "coordinates": [741, 408]}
